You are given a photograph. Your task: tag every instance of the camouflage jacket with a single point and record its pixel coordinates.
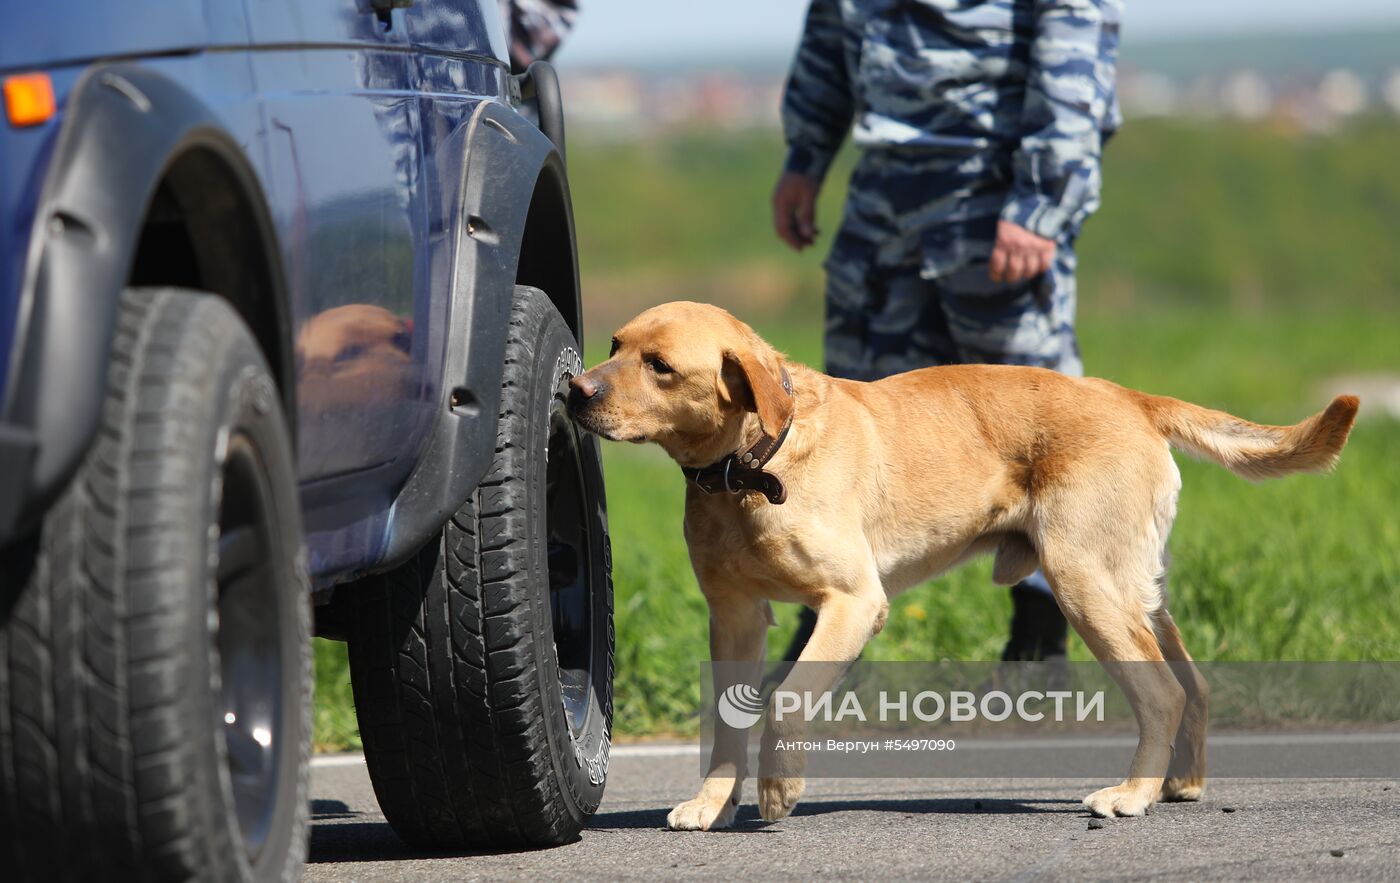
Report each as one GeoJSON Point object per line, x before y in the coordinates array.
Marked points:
{"type": "Point", "coordinates": [537, 27]}
{"type": "Point", "coordinates": [1031, 81]}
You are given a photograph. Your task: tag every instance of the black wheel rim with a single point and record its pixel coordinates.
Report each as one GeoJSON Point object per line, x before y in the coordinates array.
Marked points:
{"type": "Point", "coordinates": [250, 649]}
{"type": "Point", "coordinates": [569, 566]}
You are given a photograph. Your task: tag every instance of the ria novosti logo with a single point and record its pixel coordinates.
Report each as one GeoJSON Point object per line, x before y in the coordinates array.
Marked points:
{"type": "Point", "coordinates": [740, 706]}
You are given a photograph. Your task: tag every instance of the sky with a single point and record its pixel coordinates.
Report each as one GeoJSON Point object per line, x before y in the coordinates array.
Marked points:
{"type": "Point", "coordinates": [613, 31]}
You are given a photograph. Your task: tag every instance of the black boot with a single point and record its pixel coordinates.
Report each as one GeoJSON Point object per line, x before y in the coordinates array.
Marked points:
{"type": "Point", "coordinates": [1038, 628]}
{"type": "Point", "coordinates": [805, 625]}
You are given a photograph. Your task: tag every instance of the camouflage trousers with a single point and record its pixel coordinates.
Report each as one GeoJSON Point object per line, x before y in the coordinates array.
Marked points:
{"type": "Point", "coordinates": [907, 282]}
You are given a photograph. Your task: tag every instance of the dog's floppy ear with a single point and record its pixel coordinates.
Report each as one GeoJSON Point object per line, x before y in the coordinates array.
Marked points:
{"type": "Point", "coordinates": [747, 382]}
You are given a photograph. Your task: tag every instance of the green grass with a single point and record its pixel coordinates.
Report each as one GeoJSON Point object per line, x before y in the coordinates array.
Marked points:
{"type": "Point", "coordinates": [335, 726]}
{"type": "Point", "coordinates": [1234, 266]}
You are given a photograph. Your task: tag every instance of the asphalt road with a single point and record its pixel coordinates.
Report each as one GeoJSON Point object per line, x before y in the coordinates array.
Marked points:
{"type": "Point", "coordinates": [957, 829]}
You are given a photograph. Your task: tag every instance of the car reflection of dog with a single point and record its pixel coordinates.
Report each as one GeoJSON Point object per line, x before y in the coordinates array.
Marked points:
{"type": "Point", "coordinates": [355, 358]}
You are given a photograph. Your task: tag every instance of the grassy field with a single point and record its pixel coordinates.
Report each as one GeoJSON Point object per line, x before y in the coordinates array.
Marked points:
{"type": "Point", "coordinates": [1238, 267]}
{"type": "Point", "coordinates": [1247, 218]}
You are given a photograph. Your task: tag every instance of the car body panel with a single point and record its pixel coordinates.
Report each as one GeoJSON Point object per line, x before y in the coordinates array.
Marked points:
{"type": "Point", "coordinates": [359, 138]}
{"type": "Point", "coordinates": [63, 33]}
{"type": "Point", "coordinates": [457, 28]}
{"type": "Point", "coordinates": [360, 237]}
{"type": "Point", "coordinates": [351, 224]}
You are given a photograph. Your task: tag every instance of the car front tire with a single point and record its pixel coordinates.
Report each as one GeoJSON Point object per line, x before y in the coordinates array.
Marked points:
{"type": "Point", "coordinates": [482, 668]}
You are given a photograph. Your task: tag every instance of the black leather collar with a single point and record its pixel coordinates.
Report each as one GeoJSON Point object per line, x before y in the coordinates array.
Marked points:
{"type": "Point", "coordinates": [740, 472]}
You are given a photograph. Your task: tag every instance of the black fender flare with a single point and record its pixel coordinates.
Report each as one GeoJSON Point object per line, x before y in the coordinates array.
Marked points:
{"type": "Point", "coordinates": [123, 127]}
{"type": "Point", "coordinates": [510, 167]}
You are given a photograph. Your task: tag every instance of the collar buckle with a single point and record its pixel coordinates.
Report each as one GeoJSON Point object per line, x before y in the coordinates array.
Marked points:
{"type": "Point", "coordinates": [752, 476]}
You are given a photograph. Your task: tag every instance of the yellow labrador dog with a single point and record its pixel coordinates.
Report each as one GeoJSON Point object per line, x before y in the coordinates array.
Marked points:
{"type": "Point", "coordinates": [839, 495]}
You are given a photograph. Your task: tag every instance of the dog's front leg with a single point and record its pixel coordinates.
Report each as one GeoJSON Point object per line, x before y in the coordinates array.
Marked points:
{"type": "Point", "coordinates": [738, 626]}
{"type": "Point", "coordinates": [845, 623]}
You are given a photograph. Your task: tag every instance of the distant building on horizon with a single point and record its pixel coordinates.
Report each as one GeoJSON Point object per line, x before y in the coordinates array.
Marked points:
{"type": "Point", "coordinates": [625, 102]}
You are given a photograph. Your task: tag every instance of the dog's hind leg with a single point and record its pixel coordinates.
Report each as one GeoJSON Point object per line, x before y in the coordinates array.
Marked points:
{"type": "Point", "coordinates": [1108, 612]}
{"type": "Point", "coordinates": [1186, 777]}
{"type": "Point", "coordinates": [738, 627]}
{"type": "Point", "coordinates": [845, 623]}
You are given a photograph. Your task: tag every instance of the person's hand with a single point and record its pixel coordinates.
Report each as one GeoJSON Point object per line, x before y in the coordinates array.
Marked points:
{"type": "Point", "coordinates": [795, 209]}
{"type": "Point", "coordinates": [1019, 254]}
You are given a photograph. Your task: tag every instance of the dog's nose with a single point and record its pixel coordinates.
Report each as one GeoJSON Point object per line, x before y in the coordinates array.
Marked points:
{"type": "Point", "coordinates": [583, 388]}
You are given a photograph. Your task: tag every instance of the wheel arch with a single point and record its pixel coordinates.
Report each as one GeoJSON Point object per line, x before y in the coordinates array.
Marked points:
{"type": "Point", "coordinates": [130, 134]}
{"type": "Point", "coordinates": [515, 227]}
{"type": "Point", "coordinates": [548, 251]}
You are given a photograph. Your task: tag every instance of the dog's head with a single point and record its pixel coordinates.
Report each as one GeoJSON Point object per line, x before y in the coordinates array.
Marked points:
{"type": "Point", "coordinates": [686, 376]}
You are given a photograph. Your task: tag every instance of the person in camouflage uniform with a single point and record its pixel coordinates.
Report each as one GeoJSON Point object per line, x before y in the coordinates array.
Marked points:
{"type": "Point", "coordinates": [982, 125]}
{"type": "Point", "coordinates": [537, 27]}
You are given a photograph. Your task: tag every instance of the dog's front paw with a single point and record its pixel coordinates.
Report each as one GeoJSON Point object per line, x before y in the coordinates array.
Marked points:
{"type": "Point", "coordinates": [777, 796]}
{"type": "Point", "coordinates": [1180, 788]}
{"type": "Point", "coordinates": [1127, 799]}
{"type": "Point", "coordinates": [703, 814]}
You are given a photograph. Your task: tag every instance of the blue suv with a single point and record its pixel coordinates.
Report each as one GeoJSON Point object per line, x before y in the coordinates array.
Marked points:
{"type": "Point", "coordinates": [288, 310]}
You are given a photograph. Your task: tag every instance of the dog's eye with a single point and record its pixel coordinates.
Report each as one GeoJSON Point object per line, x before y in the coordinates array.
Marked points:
{"type": "Point", "coordinates": [656, 364]}
{"type": "Point", "coordinates": [612, 352]}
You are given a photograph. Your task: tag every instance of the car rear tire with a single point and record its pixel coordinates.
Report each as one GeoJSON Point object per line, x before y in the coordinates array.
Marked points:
{"type": "Point", "coordinates": [482, 668]}
{"type": "Point", "coordinates": [155, 668]}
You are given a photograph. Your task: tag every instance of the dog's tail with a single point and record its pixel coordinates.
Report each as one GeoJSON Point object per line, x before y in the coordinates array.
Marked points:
{"type": "Point", "coordinates": [1249, 449]}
